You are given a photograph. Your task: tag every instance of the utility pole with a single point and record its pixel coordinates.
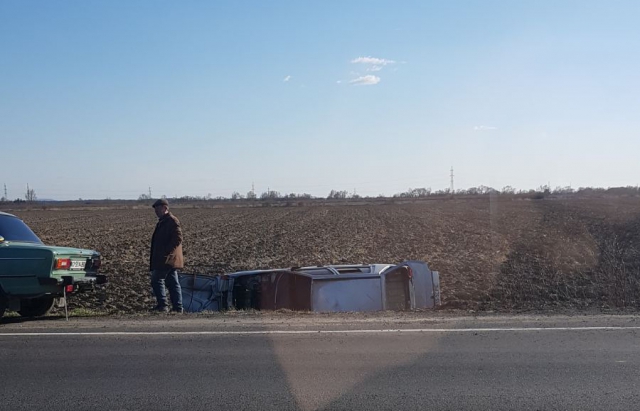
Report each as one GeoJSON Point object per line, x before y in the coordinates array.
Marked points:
{"type": "Point", "coordinates": [452, 189]}
{"type": "Point", "coordinates": [253, 189]}
{"type": "Point", "coordinates": [6, 197]}
{"type": "Point", "coordinates": [149, 191]}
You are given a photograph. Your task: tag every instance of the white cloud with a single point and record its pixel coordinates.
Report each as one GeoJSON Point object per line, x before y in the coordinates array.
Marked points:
{"type": "Point", "coordinates": [371, 65]}
{"type": "Point", "coordinates": [339, 82]}
{"type": "Point", "coordinates": [373, 61]}
{"type": "Point", "coordinates": [484, 128]}
{"type": "Point", "coordinates": [286, 79]}
{"type": "Point", "coordinates": [368, 80]}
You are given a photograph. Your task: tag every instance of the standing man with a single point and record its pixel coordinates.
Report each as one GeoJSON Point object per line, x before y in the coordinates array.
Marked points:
{"type": "Point", "coordinates": [166, 258]}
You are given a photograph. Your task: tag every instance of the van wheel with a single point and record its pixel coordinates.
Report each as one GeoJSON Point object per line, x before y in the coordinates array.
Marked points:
{"type": "Point", "coordinates": [36, 307]}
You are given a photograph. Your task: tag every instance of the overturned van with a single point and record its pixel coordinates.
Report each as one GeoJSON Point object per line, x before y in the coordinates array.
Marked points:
{"type": "Point", "coordinates": [332, 288]}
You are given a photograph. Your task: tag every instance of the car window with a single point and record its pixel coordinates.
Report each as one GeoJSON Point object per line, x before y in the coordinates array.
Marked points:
{"type": "Point", "coordinates": [13, 229]}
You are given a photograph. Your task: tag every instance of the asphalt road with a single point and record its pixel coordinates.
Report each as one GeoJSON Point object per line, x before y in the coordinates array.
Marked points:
{"type": "Point", "coordinates": [194, 364]}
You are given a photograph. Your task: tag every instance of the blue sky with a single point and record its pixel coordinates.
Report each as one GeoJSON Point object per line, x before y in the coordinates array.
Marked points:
{"type": "Point", "coordinates": [106, 98]}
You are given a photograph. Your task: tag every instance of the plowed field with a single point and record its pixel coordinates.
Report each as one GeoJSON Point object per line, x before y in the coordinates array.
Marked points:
{"type": "Point", "coordinates": [490, 254]}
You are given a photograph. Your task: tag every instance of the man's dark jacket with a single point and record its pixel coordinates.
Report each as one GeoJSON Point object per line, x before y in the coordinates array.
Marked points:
{"type": "Point", "coordinates": [166, 244]}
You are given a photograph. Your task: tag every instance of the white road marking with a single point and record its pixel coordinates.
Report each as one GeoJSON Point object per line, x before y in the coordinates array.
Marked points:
{"type": "Point", "coordinates": [303, 332]}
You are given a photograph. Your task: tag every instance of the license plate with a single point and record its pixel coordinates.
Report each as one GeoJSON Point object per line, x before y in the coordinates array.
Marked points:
{"type": "Point", "coordinates": [77, 264]}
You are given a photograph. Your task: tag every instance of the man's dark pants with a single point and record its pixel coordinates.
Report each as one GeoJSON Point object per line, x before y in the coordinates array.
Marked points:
{"type": "Point", "coordinates": [170, 277]}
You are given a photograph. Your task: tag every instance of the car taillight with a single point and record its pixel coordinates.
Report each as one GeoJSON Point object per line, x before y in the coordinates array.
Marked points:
{"type": "Point", "coordinates": [62, 264]}
{"type": "Point", "coordinates": [409, 272]}
{"type": "Point", "coordinates": [69, 288]}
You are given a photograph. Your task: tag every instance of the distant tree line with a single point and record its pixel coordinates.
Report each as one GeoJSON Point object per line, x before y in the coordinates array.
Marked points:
{"type": "Point", "coordinates": [421, 192]}
{"type": "Point", "coordinates": [412, 193]}
{"type": "Point", "coordinates": [543, 190]}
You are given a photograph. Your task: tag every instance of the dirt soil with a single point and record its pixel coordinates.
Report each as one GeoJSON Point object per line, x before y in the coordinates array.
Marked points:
{"type": "Point", "coordinates": [492, 253]}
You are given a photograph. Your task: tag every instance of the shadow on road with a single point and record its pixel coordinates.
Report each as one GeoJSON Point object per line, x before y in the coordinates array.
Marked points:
{"type": "Point", "coordinates": [507, 371]}
{"type": "Point", "coordinates": [163, 372]}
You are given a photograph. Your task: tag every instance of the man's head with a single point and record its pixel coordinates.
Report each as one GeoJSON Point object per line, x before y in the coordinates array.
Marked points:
{"type": "Point", "coordinates": [161, 207]}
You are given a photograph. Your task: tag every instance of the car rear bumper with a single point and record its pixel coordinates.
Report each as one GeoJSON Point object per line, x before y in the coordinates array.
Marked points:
{"type": "Point", "coordinates": [56, 285]}
{"type": "Point", "coordinates": [87, 279]}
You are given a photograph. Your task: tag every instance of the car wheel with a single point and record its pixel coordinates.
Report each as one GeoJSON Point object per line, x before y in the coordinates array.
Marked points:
{"type": "Point", "coordinates": [36, 307]}
{"type": "Point", "coordinates": [3, 303]}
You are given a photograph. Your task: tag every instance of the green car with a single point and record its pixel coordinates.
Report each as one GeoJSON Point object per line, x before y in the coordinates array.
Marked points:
{"type": "Point", "coordinates": [34, 276]}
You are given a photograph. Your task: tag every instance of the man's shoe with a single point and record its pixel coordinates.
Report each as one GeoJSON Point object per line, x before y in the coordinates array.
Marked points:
{"type": "Point", "coordinates": [178, 310]}
{"type": "Point", "coordinates": [158, 309]}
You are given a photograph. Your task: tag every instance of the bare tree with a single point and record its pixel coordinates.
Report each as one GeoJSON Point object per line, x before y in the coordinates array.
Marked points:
{"type": "Point", "coordinates": [30, 195]}
{"type": "Point", "coordinates": [545, 189]}
{"type": "Point", "coordinates": [415, 192]}
{"type": "Point", "coordinates": [563, 190]}
{"type": "Point", "coordinates": [270, 195]}
{"type": "Point", "coordinates": [508, 190]}
{"type": "Point", "coordinates": [338, 194]}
